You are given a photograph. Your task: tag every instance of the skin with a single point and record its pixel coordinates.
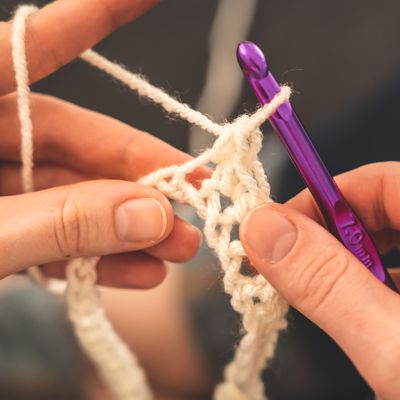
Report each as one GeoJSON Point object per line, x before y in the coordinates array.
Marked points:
{"type": "Point", "coordinates": [318, 276]}
{"type": "Point", "coordinates": [90, 161]}
{"type": "Point", "coordinates": [93, 161]}
{"type": "Point", "coordinates": [325, 282]}
{"type": "Point", "coordinates": [367, 330]}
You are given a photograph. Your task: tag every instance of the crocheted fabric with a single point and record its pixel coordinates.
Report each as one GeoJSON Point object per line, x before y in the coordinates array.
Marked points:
{"type": "Point", "coordinates": [237, 184]}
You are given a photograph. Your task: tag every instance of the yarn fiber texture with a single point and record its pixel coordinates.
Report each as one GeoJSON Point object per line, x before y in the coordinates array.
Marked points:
{"type": "Point", "coordinates": [237, 184]}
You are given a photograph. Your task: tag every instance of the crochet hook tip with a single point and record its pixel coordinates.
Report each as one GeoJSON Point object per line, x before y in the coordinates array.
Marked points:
{"type": "Point", "coordinates": [252, 60]}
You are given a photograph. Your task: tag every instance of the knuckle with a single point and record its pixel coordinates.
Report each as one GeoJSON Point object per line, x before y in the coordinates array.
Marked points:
{"type": "Point", "coordinates": [386, 372]}
{"type": "Point", "coordinates": [320, 273]}
{"type": "Point", "coordinates": [72, 230]}
{"type": "Point", "coordinates": [111, 18]}
{"type": "Point", "coordinates": [52, 55]}
{"type": "Point", "coordinates": [134, 161]}
{"type": "Point", "coordinates": [383, 209]}
{"type": "Point", "coordinates": [130, 157]}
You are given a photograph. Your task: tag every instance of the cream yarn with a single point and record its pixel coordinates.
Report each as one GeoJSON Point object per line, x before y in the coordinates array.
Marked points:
{"type": "Point", "coordinates": [237, 177]}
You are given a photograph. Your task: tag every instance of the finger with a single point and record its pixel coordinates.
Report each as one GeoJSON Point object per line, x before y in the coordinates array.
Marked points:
{"type": "Point", "coordinates": [45, 176]}
{"type": "Point", "coordinates": [142, 269]}
{"type": "Point", "coordinates": [324, 281]}
{"type": "Point", "coordinates": [372, 191]}
{"type": "Point", "coordinates": [180, 246]}
{"type": "Point", "coordinates": [88, 218]}
{"type": "Point", "coordinates": [87, 141]}
{"type": "Point", "coordinates": [62, 30]}
{"type": "Point", "coordinates": [135, 270]}
{"type": "Point", "coordinates": [386, 240]}
{"type": "Point", "coordinates": [395, 274]}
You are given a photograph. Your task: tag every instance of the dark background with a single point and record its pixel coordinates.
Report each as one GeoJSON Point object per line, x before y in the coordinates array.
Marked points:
{"type": "Point", "coordinates": [343, 60]}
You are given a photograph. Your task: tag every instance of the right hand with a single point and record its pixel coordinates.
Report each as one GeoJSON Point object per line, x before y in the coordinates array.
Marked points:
{"type": "Point", "coordinates": [317, 275]}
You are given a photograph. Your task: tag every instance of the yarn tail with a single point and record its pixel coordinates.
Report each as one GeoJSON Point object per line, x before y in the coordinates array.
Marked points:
{"type": "Point", "coordinates": [116, 364]}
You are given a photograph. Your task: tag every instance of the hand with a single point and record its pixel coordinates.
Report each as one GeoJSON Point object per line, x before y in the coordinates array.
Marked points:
{"type": "Point", "coordinates": [132, 225]}
{"type": "Point", "coordinates": [317, 275]}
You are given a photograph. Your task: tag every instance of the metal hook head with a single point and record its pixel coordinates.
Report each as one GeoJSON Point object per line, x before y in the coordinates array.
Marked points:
{"type": "Point", "coordinates": [252, 60]}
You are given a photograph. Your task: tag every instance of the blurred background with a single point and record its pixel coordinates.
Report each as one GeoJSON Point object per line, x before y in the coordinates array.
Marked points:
{"type": "Point", "coordinates": [342, 59]}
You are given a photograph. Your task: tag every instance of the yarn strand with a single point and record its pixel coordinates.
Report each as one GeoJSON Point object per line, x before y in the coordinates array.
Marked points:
{"type": "Point", "coordinates": [24, 110]}
{"type": "Point", "coordinates": [237, 184]}
{"type": "Point", "coordinates": [23, 94]}
{"type": "Point", "coordinates": [146, 90]}
{"type": "Point", "coordinates": [116, 364]}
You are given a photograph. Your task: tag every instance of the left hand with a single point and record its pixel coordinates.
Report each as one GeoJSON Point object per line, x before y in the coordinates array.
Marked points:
{"type": "Point", "coordinates": [62, 30]}
{"type": "Point", "coordinates": [73, 145]}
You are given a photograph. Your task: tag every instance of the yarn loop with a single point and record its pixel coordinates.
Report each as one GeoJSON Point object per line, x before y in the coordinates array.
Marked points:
{"type": "Point", "coordinates": [237, 183]}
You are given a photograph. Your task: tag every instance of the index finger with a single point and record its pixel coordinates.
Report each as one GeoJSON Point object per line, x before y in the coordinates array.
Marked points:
{"type": "Point", "coordinates": [61, 31]}
{"type": "Point", "coordinates": [371, 190]}
{"type": "Point", "coordinates": [88, 142]}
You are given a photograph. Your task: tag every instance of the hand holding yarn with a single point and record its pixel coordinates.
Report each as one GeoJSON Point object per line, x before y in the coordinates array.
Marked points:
{"type": "Point", "coordinates": [62, 30]}
{"type": "Point", "coordinates": [324, 281]}
{"type": "Point", "coordinates": [81, 217]}
{"type": "Point", "coordinates": [235, 183]}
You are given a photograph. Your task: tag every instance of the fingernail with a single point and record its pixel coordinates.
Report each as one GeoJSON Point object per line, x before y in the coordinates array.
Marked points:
{"type": "Point", "coordinates": [140, 220]}
{"type": "Point", "coordinates": [197, 232]}
{"type": "Point", "coordinates": [268, 234]}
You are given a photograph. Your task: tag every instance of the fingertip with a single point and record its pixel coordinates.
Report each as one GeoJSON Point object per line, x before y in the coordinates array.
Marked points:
{"type": "Point", "coordinates": [189, 244]}
{"type": "Point", "coordinates": [168, 213]}
{"type": "Point", "coordinates": [181, 245]}
{"type": "Point", "coordinates": [143, 216]}
{"type": "Point", "coordinates": [135, 270]}
{"type": "Point", "coordinates": [304, 203]}
{"type": "Point", "coordinates": [267, 234]}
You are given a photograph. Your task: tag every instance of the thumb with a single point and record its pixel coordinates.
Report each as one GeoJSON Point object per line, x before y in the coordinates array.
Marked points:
{"type": "Point", "coordinates": [324, 281]}
{"type": "Point", "coordinates": [89, 218]}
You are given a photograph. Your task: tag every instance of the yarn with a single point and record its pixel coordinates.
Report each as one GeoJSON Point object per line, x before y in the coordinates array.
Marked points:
{"type": "Point", "coordinates": [237, 184]}
{"type": "Point", "coordinates": [24, 109]}
{"type": "Point", "coordinates": [117, 365]}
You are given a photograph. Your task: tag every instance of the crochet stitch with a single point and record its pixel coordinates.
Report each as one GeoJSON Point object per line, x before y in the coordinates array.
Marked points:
{"type": "Point", "coordinates": [237, 177]}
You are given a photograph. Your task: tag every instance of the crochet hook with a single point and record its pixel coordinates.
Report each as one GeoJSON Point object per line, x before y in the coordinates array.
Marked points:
{"type": "Point", "coordinates": [340, 219]}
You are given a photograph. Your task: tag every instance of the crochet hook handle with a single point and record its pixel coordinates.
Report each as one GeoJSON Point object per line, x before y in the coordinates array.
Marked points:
{"type": "Point", "coordinates": [340, 218]}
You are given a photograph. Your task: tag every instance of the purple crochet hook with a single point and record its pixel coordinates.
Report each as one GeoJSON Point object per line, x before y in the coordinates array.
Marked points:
{"type": "Point", "coordinates": [340, 218]}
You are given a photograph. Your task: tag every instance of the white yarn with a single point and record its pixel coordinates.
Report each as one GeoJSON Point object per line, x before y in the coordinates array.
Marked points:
{"type": "Point", "coordinates": [24, 109]}
{"type": "Point", "coordinates": [237, 176]}
{"type": "Point", "coordinates": [144, 89]}
{"type": "Point", "coordinates": [118, 366]}
{"type": "Point", "coordinates": [23, 91]}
